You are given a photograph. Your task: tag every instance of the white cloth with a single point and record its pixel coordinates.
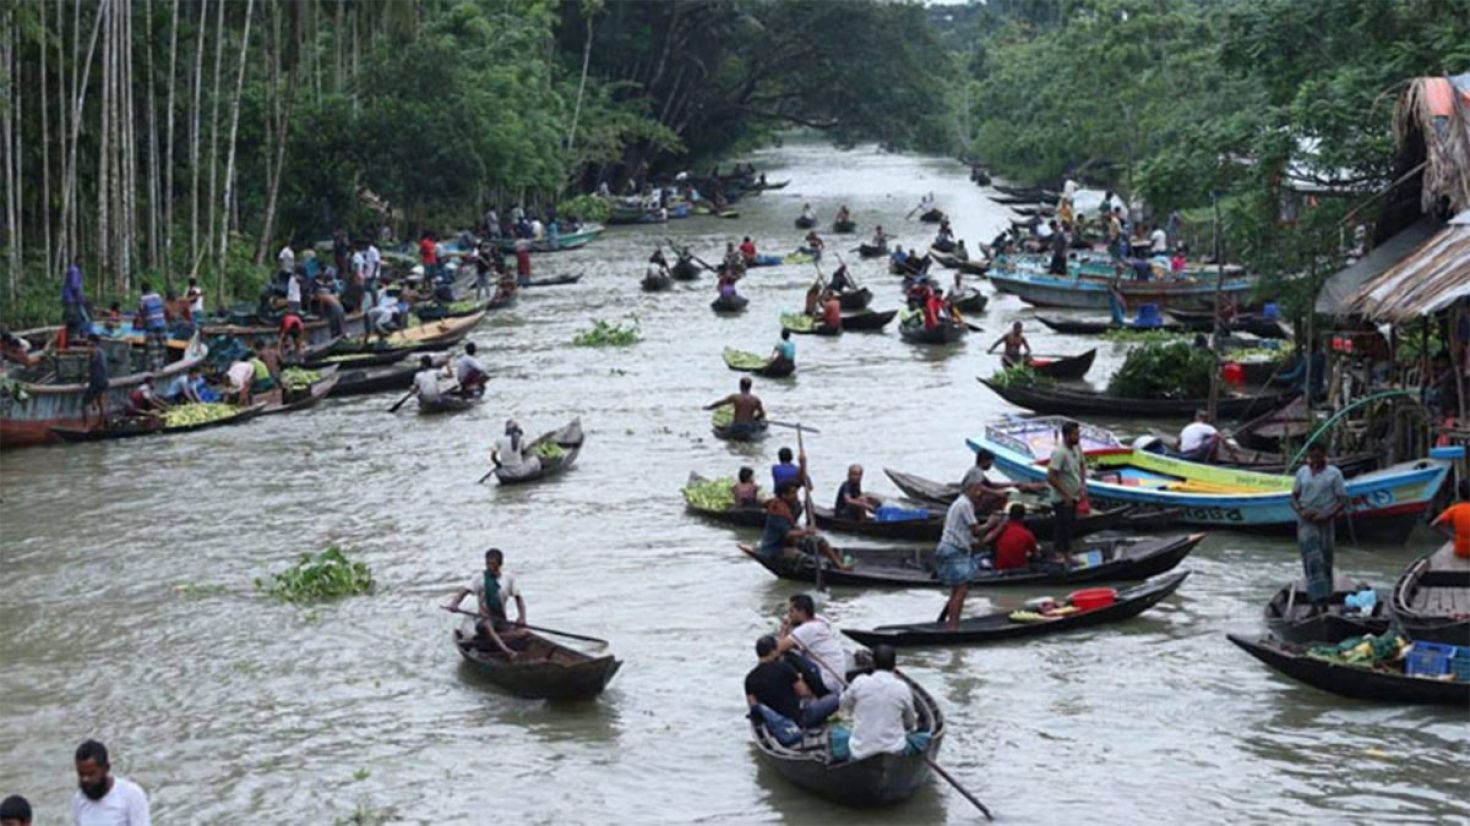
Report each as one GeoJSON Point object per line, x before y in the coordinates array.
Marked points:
{"type": "Point", "coordinates": [1158, 240]}
{"type": "Point", "coordinates": [240, 374]}
{"type": "Point", "coordinates": [426, 382]}
{"type": "Point", "coordinates": [293, 290]}
{"type": "Point", "coordinates": [957, 523]}
{"type": "Point", "coordinates": [125, 804]}
{"type": "Point", "coordinates": [882, 710]}
{"type": "Point", "coordinates": [509, 455]}
{"type": "Point", "coordinates": [467, 366]}
{"type": "Point", "coordinates": [820, 642]}
{"type": "Point", "coordinates": [374, 261]}
{"type": "Point", "coordinates": [1194, 435]}
{"type": "Point", "coordinates": [287, 259]}
{"type": "Point", "coordinates": [509, 590]}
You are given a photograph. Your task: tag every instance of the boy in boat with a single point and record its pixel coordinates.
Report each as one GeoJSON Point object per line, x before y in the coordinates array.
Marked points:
{"type": "Point", "coordinates": [1017, 348]}
{"type": "Point", "coordinates": [851, 502]}
{"type": "Point", "coordinates": [747, 251]}
{"type": "Point", "coordinates": [493, 589]}
{"type": "Point", "coordinates": [784, 471]}
{"type": "Point", "coordinates": [745, 491]}
{"type": "Point", "coordinates": [748, 409]}
{"type": "Point", "coordinates": [784, 349]}
{"type": "Point", "coordinates": [782, 537]}
{"type": "Point", "coordinates": [1015, 545]}
{"type": "Point", "coordinates": [780, 699]}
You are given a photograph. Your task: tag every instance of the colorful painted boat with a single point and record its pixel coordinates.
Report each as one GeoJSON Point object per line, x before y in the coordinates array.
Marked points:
{"type": "Point", "coordinates": [585, 234]}
{"type": "Point", "coordinates": [1385, 504]}
{"type": "Point", "coordinates": [30, 411]}
{"type": "Point", "coordinates": [1085, 290]}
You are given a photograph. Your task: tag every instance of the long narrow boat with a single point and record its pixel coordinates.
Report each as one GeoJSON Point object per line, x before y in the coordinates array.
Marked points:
{"type": "Point", "coordinates": [1062, 367]}
{"type": "Point", "coordinates": [1094, 327]}
{"type": "Point", "coordinates": [1359, 682]}
{"type": "Point", "coordinates": [854, 300]}
{"type": "Point", "coordinates": [1385, 504]}
{"type": "Point", "coordinates": [933, 215]}
{"type": "Point", "coordinates": [947, 332]}
{"type": "Point", "coordinates": [755, 434]}
{"type": "Point", "coordinates": [1001, 626]}
{"type": "Point", "coordinates": [541, 670]}
{"type": "Point", "coordinates": [866, 250]}
{"type": "Point", "coordinates": [1079, 401]}
{"type": "Point", "coordinates": [1040, 521]}
{"type": "Point", "coordinates": [240, 415]}
{"type": "Point", "coordinates": [1203, 321]}
{"type": "Point", "coordinates": [374, 379]}
{"type": "Point", "coordinates": [1291, 616]}
{"type": "Point", "coordinates": [354, 361]}
{"type": "Point", "coordinates": [942, 494]}
{"type": "Point", "coordinates": [684, 270]}
{"type": "Point", "coordinates": [32, 410]}
{"type": "Point", "coordinates": [1043, 289]}
{"type": "Point", "coordinates": [447, 403]}
{"type": "Point", "coordinates": [438, 310]}
{"type": "Point", "coordinates": [552, 280]}
{"type": "Point", "coordinates": [541, 461]}
{"type": "Point", "coordinates": [804, 325]}
{"type": "Point", "coordinates": [1117, 560]}
{"type": "Point", "coordinates": [803, 222]}
{"type": "Point", "coordinates": [868, 320]}
{"type": "Point", "coordinates": [585, 234]}
{"type": "Point", "coordinates": [743, 516]}
{"type": "Point", "coordinates": [844, 227]}
{"type": "Point", "coordinates": [880, 780]}
{"type": "Point", "coordinates": [751, 363]}
{"type": "Point", "coordinates": [1431, 600]}
{"type": "Point", "coordinates": [953, 262]}
{"type": "Point", "coordinates": [433, 335]}
{"type": "Point", "coordinates": [317, 330]}
{"type": "Point", "coordinates": [286, 401]}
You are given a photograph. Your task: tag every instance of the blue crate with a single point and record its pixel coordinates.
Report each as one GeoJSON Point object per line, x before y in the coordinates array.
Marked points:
{"type": "Point", "coordinates": [1460, 664]}
{"type": "Point", "coordinates": [1429, 659]}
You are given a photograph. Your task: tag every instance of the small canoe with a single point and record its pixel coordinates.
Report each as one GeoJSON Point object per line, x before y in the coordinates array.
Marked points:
{"type": "Point", "coordinates": [804, 325]}
{"type": "Point", "coordinates": [1063, 367]}
{"type": "Point", "coordinates": [568, 437]}
{"type": "Point", "coordinates": [941, 247]}
{"type": "Point", "coordinates": [953, 262]}
{"type": "Point", "coordinates": [241, 415]}
{"type": "Point", "coordinates": [1431, 600]}
{"type": "Point", "coordinates": [684, 270]}
{"type": "Point", "coordinates": [541, 670]}
{"type": "Point", "coordinates": [1291, 616]}
{"type": "Point", "coordinates": [1085, 327]}
{"type": "Point", "coordinates": [970, 301]}
{"type": "Point", "coordinates": [844, 227]}
{"type": "Point", "coordinates": [933, 216]}
{"type": "Point", "coordinates": [287, 401]}
{"type": "Point", "coordinates": [447, 403]}
{"type": "Point", "coordinates": [552, 281]}
{"type": "Point", "coordinates": [1358, 682]}
{"type": "Point", "coordinates": [765, 261]}
{"type": "Point", "coordinates": [657, 283]}
{"type": "Point", "coordinates": [805, 223]}
{"type": "Point", "coordinates": [880, 780]}
{"type": "Point", "coordinates": [745, 517]}
{"type": "Point", "coordinates": [755, 434]}
{"type": "Point", "coordinates": [854, 300]}
{"type": "Point", "coordinates": [1116, 560]}
{"type": "Point", "coordinates": [1040, 521]}
{"type": "Point", "coordinates": [374, 379]}
{"type": "Point", "coordinates": [872, 250]}
{"type": "Point", "coordinates": [726, 304]}
{"type": "Point", "coordinates": [438, 310]}
{"type": "Point", "coordinates": [1001, 626]}
{"type": "Point", "coordinates": [746, 363]}
{"type": "Point", "coordinates": [946, 333]}
{"type": "Point", "coordinates": [868, 320]}
{"type": "Point", "coordinates": [435, 335]}
{"type": "Point", "coordinates": [1078, 401]}
{"type": "Point", "coordinates": [1203, 321]}
{"type": "Point", "coordinates": [124, 427]}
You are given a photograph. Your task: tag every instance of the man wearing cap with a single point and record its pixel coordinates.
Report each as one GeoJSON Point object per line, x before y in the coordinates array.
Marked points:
{"type": "Point", "coordinates": [103, 799]}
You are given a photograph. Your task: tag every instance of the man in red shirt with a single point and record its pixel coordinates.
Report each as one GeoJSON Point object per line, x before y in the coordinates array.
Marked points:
{"type": "Point", "coordinates": [747, 250]}
{"type": "Point", "coordinates": [932, 305]}
{"type": "Point", "coordinates": [1014, 542]}
{"type": "Point", "coordinates": [831, 311]}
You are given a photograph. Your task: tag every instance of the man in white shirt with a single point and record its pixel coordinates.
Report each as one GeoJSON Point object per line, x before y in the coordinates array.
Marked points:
{"type": "Point", "coordinates": [470, 373]}
{"type": "Point", "coordinates": [1199, 439]}
{"type": "Point", "coordinates": [881, 707]}
{"type": "Point", "coordinates": [1158, 241]}
{"type": "Point", "coordinates": [426, 381]}
{"type": "Point", "coordinates": [494, 588]}
{"type": "Point", "coordinates": [507, 452]}
{"type": "Point", "coordinates": [102, 799]}
{"type": "Point", "coordinates": [287, 259]}
{"type": "Point", "coordinates": [814, 638]}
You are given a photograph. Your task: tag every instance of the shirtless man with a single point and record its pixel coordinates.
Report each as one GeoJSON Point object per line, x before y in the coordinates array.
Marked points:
{"type": "Point", "coordinates": [1015, 342]}
{"type": "Point", "coordinates": [748, 409]}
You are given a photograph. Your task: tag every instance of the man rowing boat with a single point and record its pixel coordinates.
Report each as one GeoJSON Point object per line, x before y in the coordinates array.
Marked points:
{"type": "Point", "coordinates": [748, 410]}
{"type": "Point", "coordinates": [783, 537]}
{"type": "Point", "coordinates": [1015, 343]}
{"type": "Point", "coordinates": [492, 589]}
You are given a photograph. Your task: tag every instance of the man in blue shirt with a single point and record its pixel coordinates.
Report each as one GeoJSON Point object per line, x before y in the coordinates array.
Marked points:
{"type": "Point", "coordinates": [154, 321]}
{"type": "Point", "coordinates": [74, 301]}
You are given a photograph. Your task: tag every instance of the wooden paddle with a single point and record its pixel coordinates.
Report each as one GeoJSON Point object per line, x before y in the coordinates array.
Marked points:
{"type": "Point", "coordinates": [486, 476]}
{"type": "Point", "coordinates": [535, 628]}
{"type": "Point", "coordinates": [401, 402]}
{"type": "Point", "coordinates": [929, 761]}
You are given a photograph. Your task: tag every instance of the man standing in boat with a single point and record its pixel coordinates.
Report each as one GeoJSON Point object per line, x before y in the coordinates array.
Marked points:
{"type": "Point", "coordinates": [748, 409]}
{"type": "Point", "coordinates": [1066, 474]}
{"type": "Point", "coordinates": [1318, 495]}
{"type": "Point", "coordinates": [953, 562]}
{"type": "Point", "coordinates": [493, 589]}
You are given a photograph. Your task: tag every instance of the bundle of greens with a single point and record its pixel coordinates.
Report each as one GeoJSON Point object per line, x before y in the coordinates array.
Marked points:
{"type": "Point", "coordinates": [723, 417]}
{"type": "Point", "coordinates": [797, 321]}
{"type": "Point", "coordinates": [1164, 371]}
{"type": "Point", "coordinates": [298, 378]}
{"type": "Point", "coordinates": [1019, 375]}
{"type": "Point", "coordinates": [742, 360]}
{"type": "Point", "coordinates": [710, 494]}
{"type": "Point", "coordinates": [328, 575]}
{"type": "Point", "coordinates": [187, 415]}
{"type": "Point", "coordinates": [604, 334]}
{"type": "Point", "coordinates": [549, 450]}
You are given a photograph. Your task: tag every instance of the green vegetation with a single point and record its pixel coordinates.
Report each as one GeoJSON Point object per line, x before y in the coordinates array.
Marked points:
{"type": "Point", "coordinates": [604, 334]}
{"type": "Point", "coordinates": [797, 321]}
{"type": "Point", "coordinates": [723, 416]}
{"type": "Point", "coordinates": [1130, 335]}
{"type": "Point", "coordinates": [1020, 375]}
{"type": "Point", "coordinates": [298, 378]}
{"type": "Point", "coordinates": [185, 415]}
{"type": "Point", "coordinates": [549, 450]}
{"type": "Point", "coordinates": [1164, 371]}
{"type": "Point", "coordinates": [742, 359]}
{"type": "Point", "coordinates": [328, 575]}
{"type": "Point", "coordinates": [710, 494]}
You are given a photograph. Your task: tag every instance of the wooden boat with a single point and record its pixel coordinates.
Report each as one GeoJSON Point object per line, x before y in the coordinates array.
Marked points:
{"type": "Point", "coordinates": [1034, 193]}
{"type": "Point", "coordinates": [771, 368]}
{"type": "Point", "coordinates": [729, 303]}
{"type": "Point", "coordinates": [1263, 461]}
{"type": "Point", "coordinates": [285, 401]}
{"type": "Point", "coordinates": [1001, 626]}
{"type": "Point", "coordinates": [1431, 600]}
{"type": "Point", "coordinates": [941, 495]}
{"type": "Point", "coordinates": [434, 335]}
{"type": "Point", "coordinates": [1063, 367]}
{"type": "Point", "coordinates": [622, 215]}
{"type": "Point", "coordinates": [949, 261]}
{"type": "Point", "coordinates": [374, 379]}
{"type": "Point", "coordinates": [551, 281]}
{"type": "Point", "coordinates": [932, 216]}
{"type": "Point", "coordinates": [34, 405]}
{"type": "Point", "coordinates": [879, 780]}
{"type": "Point", "coordinates": [351, 361]}
{"type": "Point", "coordinates": [805, 223]}
{"type": "Point", "coordinates": [872, 250]}
{"type": "Point", "coordinates": [585, 234]}
{"type": "Point", "coordinates": [1290, 615]}
{"type": "Point", "coordinates": [134, 429]}
{"type": "Point", "coordinates": [844, 227]}
{"type": "Point", "coordinates": [684, 270]}
{"type": "Point", "coordinates": [941, 246]}
{"type": "Point", "coordinates": [947, 332]}
{"type": "Point", "coordinates": [121, 427]}
{"type": "Point", "coordinates": [1358, 682]}
{"type": "Point", "coordinates": [1121, 560]}
{"type": "Point", "coordinates": [254, 328]}
{"type": "Point", "coordinates": [1203, 321]}
{"type": "Point", "coordinates": [745, 517]}
{"type": "Point", "coordinates": [1093, 327]}
{"type": "Point", "coordinates": [970, 301]}
{"type": "Point", "coordinates": [1266, 432]}
{"type": "Point", "coordinates": [868, 320]}
{"type": "Point", "coordinates": [1084, 291]}
{"type": "Point", "coordinates": [568, 437]}
{"type": "Point", "coordinates": [723, 432]}
{"type": "Point", "coordinates": [654, 283]}
{"type": "Point", "coordinates": [541, 670]}
{"type": "Point", "coordinates": [447, 403]}
{"type": "Point", "coordinates": [1040, 520]}
{"type": "Point", "coordinates": [854, 300]}
{"type": "Point", "coordinates": [804, 325]}
{"type": "Point", "coordinates": [1082, 401]}
{"type": "Point", "coordinates": [1385, 504]}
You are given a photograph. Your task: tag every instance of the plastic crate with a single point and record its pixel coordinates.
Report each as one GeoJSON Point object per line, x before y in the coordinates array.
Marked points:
{"type": "Point", "coordinates": [1460, 664]}
{"type": "Point", "coordinates": [1429, 659]}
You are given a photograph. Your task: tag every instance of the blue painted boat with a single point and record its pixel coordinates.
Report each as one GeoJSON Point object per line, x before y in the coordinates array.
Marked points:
{"type": "Point", "coordinates": [585, 234]}
{"type": "Point", "coordinates": [1385, 504]}
{"type": "Point", "coordinates": [765, 261]}
{"type": "Point", "coordinates": [1086, 286]}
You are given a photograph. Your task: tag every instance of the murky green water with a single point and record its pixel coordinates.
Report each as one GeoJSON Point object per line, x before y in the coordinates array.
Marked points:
{"type": "Point", "coordinates": [228, 708]}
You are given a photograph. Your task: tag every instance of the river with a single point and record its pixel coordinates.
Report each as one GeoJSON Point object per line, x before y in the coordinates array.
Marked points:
{"type": "Point", "coordinates": [130, 614]}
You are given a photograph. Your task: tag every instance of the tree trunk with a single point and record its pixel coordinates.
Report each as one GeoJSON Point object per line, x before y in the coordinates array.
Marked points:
{"type": "Point", "coordinates": [154, 231]}
{"type": "Point", "coordinates": [224, 235]}
{"type": "Point", "coordinates": [194, 139]}
{"type": "Point", "coordinates": [219, 52]}
{"type": "Point", "coordinates": [104, 157]}
{"type": "Point", "coordinates": [69, 223]}
{"type": "Point", "coordinates": [7, 121]}
{"type": "Point", "coordinates": [168, 157]}
{"type": "Point", "coordinates": [581, 85]}
{"type": "Point", "coordinates": [45, 144]}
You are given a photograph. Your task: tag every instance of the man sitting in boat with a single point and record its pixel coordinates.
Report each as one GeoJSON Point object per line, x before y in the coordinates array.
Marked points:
{"type": "Point", "coordinates": [933, 304]}
{"type": "Point", "coordinates": [782, 537]}
{"type": "Point", "coordinates": [747, 251]}
{"type": "Point", "coordinates": [1017, 348]}
{"type": "Point", "coordinates": [879, 238]}
{"type": "Point", "coordinates": [831, 317]}
{"type": "Point", "coordinates": [784, 349]}
{"type": "Point", "coordinates": [1199, 440]}
{"type": "Point", "coordinates": [881, 708]}
{"type": "Point", "coordinates": [779, 697]}
{"type": "Point", "coordinates": [844, 215]}
{"type": "Point", "coordinates": [944, 241]}
{"type": "Point", "coordinates": [470, 373]}
{"type": "Point", "coordinates": [426, 381]}
{"type": "Point", "coordinates": [748, 410]}
{"type": "Point", "coordinates": [979, 474]}
{"type": "Point", "coordinates": [493, 589]}
{"type": "Point", "coordinates": [899, 257]}
{"type": "Point", "coordinates": [811, 643]}
{"type": "Point", "coordinates": [807, 214]}
{"type": "Point", "coordinates": [814, 246]}
{"type": "Point", "coordinates": [658, 266]}
{"type": "Point", "coordinates": [784, 471]}
{"type": "Point", "coordinates": [842, 281]}
{"type": "Point", "coordinates": [734, 259]}
{"type": "Point", "coordinates": [183, 389]}
{"type": "Point", "coordinates": [1015, 545]}
{"type": "Point", "coordinates": [508, 448]}
{"type": "Point", "coordinates": [851, 502]}
{"type": "Point", "coordinates": [959, 250]}
{"type": "Point", "coordinates": [744, 490]}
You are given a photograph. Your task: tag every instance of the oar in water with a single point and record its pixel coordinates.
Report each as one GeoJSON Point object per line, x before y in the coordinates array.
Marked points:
{"type": "Point", "coordinates": [536, 628]}
{"type": "Point", "coordinates": [486, 476]}
{"type": "Point", "coordinates": [929, 761]}
{"type": "Point", "coordinates": [401, 402]}
{"type": "Point", "coordinates": [975, 328]}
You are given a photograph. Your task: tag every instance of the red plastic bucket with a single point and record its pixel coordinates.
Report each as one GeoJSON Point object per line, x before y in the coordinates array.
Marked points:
{"type": "Point", "coordinates": [1234, 374]}
{"type": "Point", "coordinates": [1089, 599]}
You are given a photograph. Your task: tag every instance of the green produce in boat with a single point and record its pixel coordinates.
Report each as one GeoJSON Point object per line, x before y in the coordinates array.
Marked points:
{"type": "Point", "coordinates": [744, 360]}
{"type": "Point", "coordinates": [797, 321]}
{"type": "Point", "coordinates": [723, 417]}
{"type": "Point", "coordinates": [710, 494]}
{"type": "Point", "coordinates": [296, 378]}
{"type": "Point", "coordinates": [549, 450]}
{"type": "Point", "coordinates": [186, 415]}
